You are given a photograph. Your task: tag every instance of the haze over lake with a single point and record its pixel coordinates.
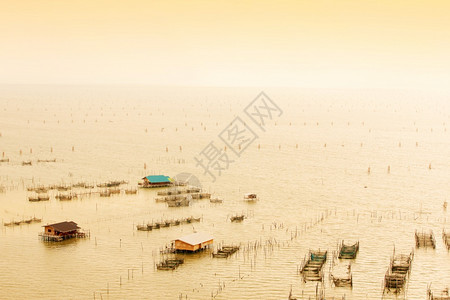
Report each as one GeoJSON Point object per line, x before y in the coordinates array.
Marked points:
{"type": "Point", "coordinates": [354, 165]}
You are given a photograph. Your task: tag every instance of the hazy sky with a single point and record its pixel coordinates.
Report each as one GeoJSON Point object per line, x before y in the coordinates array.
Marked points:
{"type": "Point", "coordinates": [341, 43]}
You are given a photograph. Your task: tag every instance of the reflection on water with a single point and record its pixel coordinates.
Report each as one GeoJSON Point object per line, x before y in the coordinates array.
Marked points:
{"type": "Point", "coordinates": [309, 170]}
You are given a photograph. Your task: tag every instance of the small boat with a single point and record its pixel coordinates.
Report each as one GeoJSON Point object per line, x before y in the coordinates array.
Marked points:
{"type": "Point", "coordinates": [175, 222]}
{"type": "Point", "coordinates": [79, 185]}
{"type": "Point", "coordinates": [215, 200]}
{"type": "Point", "coordinates": [201, 196]}
{"type": "Point", "coordinates": [191, 219]}
{"type": "Point", "coordinates": [162, 224]}
{"type": "Point", "coordinates": [65, 197]}
{"type": "Point", "coordinates": [41, 190]}
{"type": "Point", "coordinates": [147, 227]}
{"type": "Point", "coordinates": [192, 190]}
{"type": "Point", "coordinates": [177, 203]}
{"type": "Point", "coordinates": [43, 197]}
{"type": "Point", "coordinates": [237, 218]}
{"type": "Point", "coordinates": [130, 191]}
{"type": "Point", "coordinates": [33, 198]}
{"type": "Point", "coordinates": [114, 191]}
{"type": "Point", "coordinates": [63, 188]}
{"type": "Point", "coordinates": [168, 193]}
{"type": "Point", "coordinates": [113, 183]}
{"type": "Point", "coordinates": [46, 160]}
{"type": "Point", "coordinates": [106, 193]}
{"type": "Point", "coordinates": [170, 198]}
{"type": "Point", "coordinates": [250, 197]}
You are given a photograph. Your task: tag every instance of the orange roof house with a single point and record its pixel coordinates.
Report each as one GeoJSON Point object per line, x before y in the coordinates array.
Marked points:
{"type": "Point", "coordinates": [194, 242]}
{"type": "Point", "coordinates": [61, 231]}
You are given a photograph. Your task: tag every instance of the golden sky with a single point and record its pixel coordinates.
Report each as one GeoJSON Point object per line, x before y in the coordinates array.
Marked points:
{"type": "Point", "coordinates": [329, 44]}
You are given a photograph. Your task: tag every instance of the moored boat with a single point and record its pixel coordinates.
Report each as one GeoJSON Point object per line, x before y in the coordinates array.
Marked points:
{"type": "Point", "coordinates": [215, 200]}
{"type": "Point", "coordinates": [250, 197]}
{"type": "Point", "coordinates": [237, 218]}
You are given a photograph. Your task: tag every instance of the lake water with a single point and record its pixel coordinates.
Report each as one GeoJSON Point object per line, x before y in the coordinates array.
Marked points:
{"type": "Point", "coordinates": [309, 167]}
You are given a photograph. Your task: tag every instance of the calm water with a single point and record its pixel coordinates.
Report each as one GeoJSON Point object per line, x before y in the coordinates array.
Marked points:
{"type": "Point", "coordinates": [310, 172]}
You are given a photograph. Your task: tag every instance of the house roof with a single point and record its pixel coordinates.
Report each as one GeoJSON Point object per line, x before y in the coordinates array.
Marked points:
{"type": "Point", "coordinates": [196, 238]}
{"type": "Point", "coordinates": [158, 178]}
{"type": "Point", "coordinates": [64, 226]}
